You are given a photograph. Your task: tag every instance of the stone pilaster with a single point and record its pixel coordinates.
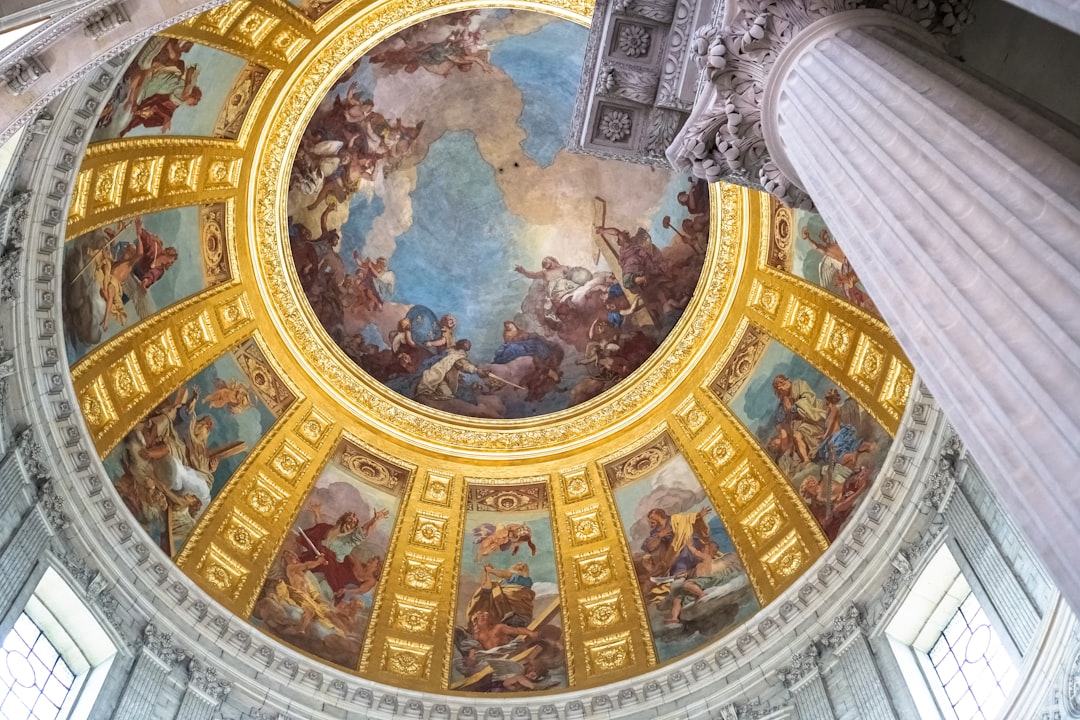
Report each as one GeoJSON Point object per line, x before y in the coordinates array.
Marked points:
{"type": "Point", "coordinates": [803, 680]}
{"type": "Point", "coordinates": [1001, 586]}
{"type": "Point", "coordinates": [856, 662]}
{"type": "Point", "coordinates": [155, 660]}
{"type": "Point", "coordinates": [12, 479]}
{"type": "Point", "coordinates": [21, 554]}
{"type": "Point", "coordinates": [204, 693]}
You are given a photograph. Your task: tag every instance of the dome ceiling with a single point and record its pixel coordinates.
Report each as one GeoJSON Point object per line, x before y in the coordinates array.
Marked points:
{"type": "Point", "coordinates": [655, 429]}
{"type": "Point", "coordinates": [431, 204]}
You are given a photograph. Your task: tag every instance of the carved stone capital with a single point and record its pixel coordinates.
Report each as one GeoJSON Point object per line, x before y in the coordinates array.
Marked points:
{"type": "Point", "coordinates": [844, 627]}
{"type": "Point", "coordinates": [31, 453]}
{"type": "Point", "coordinates": [940, 482]}
{"type": "Point", "coordinates": [13, 213]}
{"type": "Point", "coordinates": [52, 505]}
{"type": "Point", "coordinates": [205, 680]}
{"type": "Point", "coordinates": [724, 140]}
{"type": "Point", "coordinates": [804, 665]}
{"type": "Point", "coordinates": [160, 644]}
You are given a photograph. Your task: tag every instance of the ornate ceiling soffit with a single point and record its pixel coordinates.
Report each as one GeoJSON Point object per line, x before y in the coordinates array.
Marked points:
{"type": "Point", "coordinates": [723, 139]}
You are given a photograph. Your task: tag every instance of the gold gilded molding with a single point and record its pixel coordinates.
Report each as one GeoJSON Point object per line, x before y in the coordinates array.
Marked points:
{"type": "Point", "coordinates": [692, 416]}
{"type": "Point", "coordinates": [609, 654]}
{"type": "Point", "coordinates": [437, 488]}
{"type": "Point", "coordinates": [601, 612]}
{"type": "Point", "coordinates": [132, 176]}
{"type": "Point", "coordinates": [596, 573]}
{"type": "Point", "coordinates": [413, 615]}
{"type": "Point", "coordinates": [421, 572]}
{"type": "Point", "coordinates": [423, 556]}
{"type": "Point", "coordinates": [754, 500]}
{"type": "Point", "coordinates": [113, 382]}
{"type": "Point", "coordinates": [852, 348]}
{"type": "Point", "coordinates": [388, 413]}
{"type": "Point", "coordinates": [271, 34]}
{"type": "Point", "coordinates": [244, 523]}
{"type": "Point", "coordinates": [407, 659]}
{"type": "Point", "coordinates": [576, 485]}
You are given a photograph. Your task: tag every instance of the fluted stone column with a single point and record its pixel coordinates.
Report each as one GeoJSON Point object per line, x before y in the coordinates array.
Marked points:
{"type": "Point", "coordinates": [961, 211]}
{"type": "Point", "coordinates": [204, 693]}
{"type": "Point", "coordinates": [155, 661]}
{"type": "Point", "coordinates": [803, 680]}
{"type": "Point", "coordinates": [958, 206]}
{"type": "Point", "coordinates": [857, 663]}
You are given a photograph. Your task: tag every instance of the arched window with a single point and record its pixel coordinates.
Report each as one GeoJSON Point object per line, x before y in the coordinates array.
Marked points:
{"type": "Point", "coordinates": [948, 649]}
{"type": "Point", "coordinates": [54, 658]}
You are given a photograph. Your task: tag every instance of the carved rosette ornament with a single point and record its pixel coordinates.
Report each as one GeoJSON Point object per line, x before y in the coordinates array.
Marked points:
{"type": "Point", "coordinates": [205, 680]}
{"type": "Point", "coordinates": [723, 138]}
{"type": "Point", "coordinates": [803, 665]}
{"type": "Point", "coordinates": [160, 644]}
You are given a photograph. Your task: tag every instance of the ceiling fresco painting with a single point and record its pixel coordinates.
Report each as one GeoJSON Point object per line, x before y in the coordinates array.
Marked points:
{"type": "Point", "coordinates": [321, 588]}
{"type": "Point", "coordinates": [267, 305]}
{"type": "Point", "coordinates": [124, 272]}
{"type": "Point", "coordinates": [828, 447]}
{"type": "Point", "coordinates": [509, 635]}
{"type": "Point", "coordinates": [813, 254]}
{"type": "Point", "coordinates": [170, 466]}
{"type": "Point", "coordinates": [314, 9]}
{"type": "Point", "coordinates": [566, 272]}
{"type": "Point", "coordinates": [180, 88]}
{"type": "Point", "coordinates": [694, 586]}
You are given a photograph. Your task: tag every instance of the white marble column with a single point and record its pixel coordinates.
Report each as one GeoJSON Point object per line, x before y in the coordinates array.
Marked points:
{"type": "Point", "coordinates": [960, 209]}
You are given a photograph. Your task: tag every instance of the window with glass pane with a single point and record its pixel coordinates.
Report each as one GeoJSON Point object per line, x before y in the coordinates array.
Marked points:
{"type": "Point", "coordinates": [973, 667]}
{"type": "Point", "coordinates": [34, 680]}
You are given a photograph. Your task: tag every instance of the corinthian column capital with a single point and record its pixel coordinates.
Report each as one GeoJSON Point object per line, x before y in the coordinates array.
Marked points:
{"type": "Point", "coordinates": [725, 139]}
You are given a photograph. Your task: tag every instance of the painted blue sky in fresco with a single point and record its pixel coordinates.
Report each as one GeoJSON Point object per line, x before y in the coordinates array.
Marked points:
{"type": "Point", "coordinates": [546, 67]}
{"type": "Point", "coordinates": [463, 177]}
{"type": "Point", "coordinates": [476, 214]}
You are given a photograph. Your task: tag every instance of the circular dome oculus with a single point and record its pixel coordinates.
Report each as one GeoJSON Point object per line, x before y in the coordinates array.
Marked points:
{"type": "Point", "coordinates": [453, 248]}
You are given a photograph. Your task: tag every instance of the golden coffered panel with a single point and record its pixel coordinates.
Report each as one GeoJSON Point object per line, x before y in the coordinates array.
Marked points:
{"type": "Point", "coordinates": [418, 613]}
{"type": "Point", "coordinates": [589, 540]}
{"type": "Point", "coordinates": [754, 499]}
{"type": "Point", "coordinates": [851, 347]}
{"type": "Point", "coordinates": [114, 382]}
{"type": "Point", "coordinates": [243, 526]}
{"type": "Point", "coordinates": [272, 34]}
{"type": "Point", "coordinates": [124, 178]}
